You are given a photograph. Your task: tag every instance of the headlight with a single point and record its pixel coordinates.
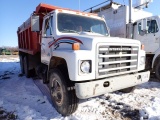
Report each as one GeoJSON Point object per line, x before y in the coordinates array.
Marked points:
{"type": "Point", "coordinates": [142, 60]}
{"type": "Point", "coordinates": [85, 66]}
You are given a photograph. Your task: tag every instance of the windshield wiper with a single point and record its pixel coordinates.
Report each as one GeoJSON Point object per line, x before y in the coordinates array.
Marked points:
{"type": "Point", "coordinates": [95, 32]}
{"type": "Point", "coordinates": [89, 31]}
{"type": "Point", "coordinates": [67, 30]}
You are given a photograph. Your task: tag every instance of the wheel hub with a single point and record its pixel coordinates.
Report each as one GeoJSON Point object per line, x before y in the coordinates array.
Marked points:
{"type": "Point", "coordinates": [56, 91]}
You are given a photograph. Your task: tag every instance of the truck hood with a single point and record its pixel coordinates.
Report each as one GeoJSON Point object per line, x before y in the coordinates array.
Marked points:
{"type": "Point", "coordinates": [90, 40]}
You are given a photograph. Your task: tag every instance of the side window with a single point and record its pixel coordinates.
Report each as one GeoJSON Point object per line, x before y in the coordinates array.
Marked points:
{"type": "Point", "coordinates": [98, 29]}
{"type": "Point", "coordinates": [48, 28]}
{"type": "Point", "coordinates": [139, 28]}
{"type": "Point", "coordinates": [152, 27]}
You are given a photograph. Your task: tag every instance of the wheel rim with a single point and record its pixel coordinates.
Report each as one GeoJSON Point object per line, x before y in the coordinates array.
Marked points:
{"type": "Point", "coordinates": [56, 90]}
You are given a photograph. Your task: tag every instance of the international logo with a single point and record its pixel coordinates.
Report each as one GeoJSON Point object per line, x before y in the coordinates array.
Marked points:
{"type": "Point", "coordinates": [120, 49]}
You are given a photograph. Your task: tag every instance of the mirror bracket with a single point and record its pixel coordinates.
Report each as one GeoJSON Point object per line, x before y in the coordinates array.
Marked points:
{"type": "Point", "coordinates": [35, 27]}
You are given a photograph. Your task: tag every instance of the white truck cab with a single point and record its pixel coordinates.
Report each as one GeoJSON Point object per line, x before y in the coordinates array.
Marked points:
{"type": "Point", "coordinates": [142, 26]}
{"type": "Point", "coordinates": [150, 37]}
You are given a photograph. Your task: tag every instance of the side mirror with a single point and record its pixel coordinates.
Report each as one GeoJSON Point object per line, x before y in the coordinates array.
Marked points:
{"type": "Point", "coordinates": [143, 30]}
{"type": "Point", "coordinates": [35, 23]}
{"type": "Point", "coordinates": [143, 24]}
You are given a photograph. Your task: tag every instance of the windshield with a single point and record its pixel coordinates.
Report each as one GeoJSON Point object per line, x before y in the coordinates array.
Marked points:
{"type": "Point", "coordinates": [68, 23]}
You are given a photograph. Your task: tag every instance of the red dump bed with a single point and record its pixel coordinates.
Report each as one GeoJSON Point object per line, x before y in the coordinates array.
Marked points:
{"type": "Point", "coordinates": [28, 41]}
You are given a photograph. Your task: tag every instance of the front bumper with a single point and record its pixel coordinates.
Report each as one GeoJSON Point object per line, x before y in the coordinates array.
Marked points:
{"type": "Point", "coordinates": [94, 88]}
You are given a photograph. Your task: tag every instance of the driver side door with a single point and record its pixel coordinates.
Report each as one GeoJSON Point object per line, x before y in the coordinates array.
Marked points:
{"type": "Point", "coordinates": [47, 37]}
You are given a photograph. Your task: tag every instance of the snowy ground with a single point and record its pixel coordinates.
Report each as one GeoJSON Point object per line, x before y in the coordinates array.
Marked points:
{"type": "Point", "coordinates": [20, 95]}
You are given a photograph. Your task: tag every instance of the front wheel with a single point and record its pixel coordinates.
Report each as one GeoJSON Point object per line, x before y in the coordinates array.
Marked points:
{"type": "Point", "coordinates": [62, 93]}
{"type": "Point", "coordinates": [157, 71]}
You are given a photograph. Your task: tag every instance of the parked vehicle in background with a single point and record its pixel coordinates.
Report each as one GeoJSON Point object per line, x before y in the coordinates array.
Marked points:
{"type": "Point", "coordinates": [15, 53]}
{"type": "Point", "coordinates": [73, 53]}
{"type": "Point", "coordinates": [134, 23]}
{"type": "Point", "coordinates": [5, 52]}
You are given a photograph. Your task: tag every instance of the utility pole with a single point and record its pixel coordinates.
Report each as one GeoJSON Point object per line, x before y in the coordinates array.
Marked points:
{"type": "Point", "coordinates": [130, 11]}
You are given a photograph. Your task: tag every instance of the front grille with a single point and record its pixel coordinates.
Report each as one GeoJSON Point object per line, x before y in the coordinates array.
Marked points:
{"type": "Point", "coordinates": [115, 59]}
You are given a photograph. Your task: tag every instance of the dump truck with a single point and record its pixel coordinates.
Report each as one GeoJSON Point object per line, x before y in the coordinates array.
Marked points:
{"type": "Point", "coordinates": [135, 23]}
{"type": "Point", "coordinates": [73, 53]}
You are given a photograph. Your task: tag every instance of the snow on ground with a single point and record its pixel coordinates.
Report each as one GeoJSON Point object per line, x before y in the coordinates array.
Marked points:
{"type": "Point", "coordinates": [20, 95]}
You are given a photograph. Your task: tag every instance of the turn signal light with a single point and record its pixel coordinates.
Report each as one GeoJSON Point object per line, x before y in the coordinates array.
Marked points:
{"type": "Point", "coordinates": [75, 46]}
{"type": "Point", "coordinates": [142, 47]}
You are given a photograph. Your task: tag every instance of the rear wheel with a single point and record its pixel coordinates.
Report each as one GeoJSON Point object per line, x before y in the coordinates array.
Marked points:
{"type": "Point", "coordinates": [157, 71]}
{"type": "Point", "coordinates": [62, 93]}
{"type": "Point", "coordinates": [128, 90]}
{"type": "Point", "coordinates": [21, 64]}
{"type": "Point", "coordinates": [26, 67]}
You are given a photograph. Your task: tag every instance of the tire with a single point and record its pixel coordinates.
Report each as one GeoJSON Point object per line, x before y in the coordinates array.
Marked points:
{"type": "Point", "coordinates": [128, 90]}
{"type": "Point", "coordinates": [62, 93]}
{"type": "Point", "coordinates": [26, 65]}
{"type": "Point", "coordinates": [157, 71]}
{"type": "Point", "coordinates": [21, 64]}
